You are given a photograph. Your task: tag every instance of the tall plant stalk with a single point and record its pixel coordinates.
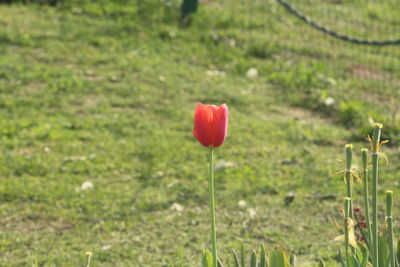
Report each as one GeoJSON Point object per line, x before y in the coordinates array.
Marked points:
{"type": "Point", "coordinates": [389, 222]}
{"type": "Point", "coordinates": [375, 155]}
{"type": "Point", "coordinates": [211, 195]}
{"type": "Point", "coordinates": [364, 156]}
{"type": "Point", "coordinates": [89, 256]}
{"type": "Point", "coordinates": [349, 158]}
{"type": "Point", "coordinates": [347, 203]}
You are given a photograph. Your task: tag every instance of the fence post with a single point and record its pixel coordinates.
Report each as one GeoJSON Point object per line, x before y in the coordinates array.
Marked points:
{"type": "Point", "coordinates": [188, 7]}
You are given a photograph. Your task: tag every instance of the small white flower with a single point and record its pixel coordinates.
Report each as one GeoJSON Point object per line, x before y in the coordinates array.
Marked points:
{"type": "Point", "coordinates": [176, 207]}
{"type": "Point", "coordinates": [252, 73]}
{"type": "Point", "coordinates": [252, 213]}
{"type": "Point", "coordinates": [329, 101]}
{"type": "Point", "coordinates": [106, 247]}
{"type": "Point", "coordinates": [87, 186]}
{"type": "Point", "coordinates": [242, 203]}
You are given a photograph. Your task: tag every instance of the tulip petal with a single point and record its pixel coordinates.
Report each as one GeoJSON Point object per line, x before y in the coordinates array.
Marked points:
{"type": "Point", "coordinates": [220, 125]}
{"type": "Point", "coordinates": [203, 125]}
{"type": "Point", "coordinates": [210, 124]}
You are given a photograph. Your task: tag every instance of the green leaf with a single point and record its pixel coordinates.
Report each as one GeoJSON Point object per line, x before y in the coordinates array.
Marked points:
{"type": "Point", "coordinates": [242, 256]}
{"type": "Point", "coordinates": [253, 259]}
{"type": "Point", "coordinates": [278, 258]}
{"type": "Point", "coordinates": [263, 259]}
{"type": "Point", "coordinates": [293, 261]}
{"type": "Point", "coordinates": [342, 260]}
{"type": "Point", "coordinates": [398, 251]}
{"type": "Point", "coordinates": [235, 259]}
{"type": "Point", "coordinates": [207, 259]}
{"type": "Point", "coordinates": [365, 255]}
{"type": "Point", "coordinates": [354, 261]}
{"type": "Point", "coordinates": [321, 263]}
{"type": "Point", "coordinates": [383, 252]}
{"type": "Point", "coordinates": [219, 263]}
{"type": "Point", "coordinates": [365, 236]}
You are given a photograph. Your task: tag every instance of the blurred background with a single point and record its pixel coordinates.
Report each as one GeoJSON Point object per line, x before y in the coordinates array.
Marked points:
{"type": "Point", "coordinates": [96, 116]}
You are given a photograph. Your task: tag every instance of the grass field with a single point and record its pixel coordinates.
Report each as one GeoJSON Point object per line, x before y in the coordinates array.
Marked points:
{"type": "Point", "coordinates": [105, 93]}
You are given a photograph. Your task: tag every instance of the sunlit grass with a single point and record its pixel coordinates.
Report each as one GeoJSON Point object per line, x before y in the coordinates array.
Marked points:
{"type": "Point", "coordinates": [105, 94]}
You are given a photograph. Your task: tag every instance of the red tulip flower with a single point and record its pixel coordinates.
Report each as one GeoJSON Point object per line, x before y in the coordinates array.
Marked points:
{"type": "Point", "coordinates": [210, 129]}
{"type": "Point", "coordinates": [211, 124]}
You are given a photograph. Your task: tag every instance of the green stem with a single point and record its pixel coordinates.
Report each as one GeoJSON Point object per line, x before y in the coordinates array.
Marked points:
{"type": "Point", "coordinates": [211, 194]}
{"type": "Point", "coordinates": [349, 158]}
{"type": "Point", "coordinates": [389, 222]}
{"type": "Point", "coordinates": [349, 193]}
{"type": "Point", "coordinates": [375, 209]}
{"type": "Point", "coordinates": [375, 156]}
{"type": "Point", "coordinates": [347, 202]}
{"type": "Point", "coordinates": [366, 194]}
{"type": "Point", "coordinates": [89, 255]}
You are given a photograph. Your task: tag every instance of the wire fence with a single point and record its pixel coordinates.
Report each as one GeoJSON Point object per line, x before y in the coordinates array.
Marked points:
{"type": "Point", "coordinates": [358, 40]}
{"type": "Point", "coordinates": [333, 33]}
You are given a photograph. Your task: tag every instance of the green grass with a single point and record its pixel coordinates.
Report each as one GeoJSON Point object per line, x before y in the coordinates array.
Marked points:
{"type": "Point", "coordinates": [106, 93]}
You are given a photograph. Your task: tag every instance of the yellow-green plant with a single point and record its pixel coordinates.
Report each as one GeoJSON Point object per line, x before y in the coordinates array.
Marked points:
{"type": "Point", "coordinates": [275, 258]}
{"type": "Point", "coordinates": [348, 176]}
{"type": "Point", "coordinates": [364, 157]}
{"type": "Point", "coordinates": [375, 150]}
{"type": "Point", "coordinates": [89, 256]}
{"type": "Point", "coordinates": [379, 249]}
{"type": "Point", "coordinates": [389, 229]}
{"type": "Point", "coordinates": [347, 226]}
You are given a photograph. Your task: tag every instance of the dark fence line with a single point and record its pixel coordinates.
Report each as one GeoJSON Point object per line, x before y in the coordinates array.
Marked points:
{"type": "Point", "coordinates": [343, 37]}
